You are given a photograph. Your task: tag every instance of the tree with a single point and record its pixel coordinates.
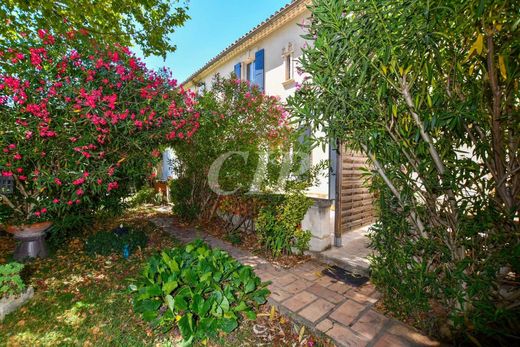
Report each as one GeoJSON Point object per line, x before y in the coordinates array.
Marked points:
{"type": "Point", "coordinates": [428, 90]}
{"type": "Point", "coordinates": [145, 23]}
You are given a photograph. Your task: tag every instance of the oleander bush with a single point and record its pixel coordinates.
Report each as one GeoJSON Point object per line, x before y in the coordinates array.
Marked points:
{"type": "Point", "coordinates": [428, 91]}
{"type": "Point", "coordinates": [11, 282]}
{"type": "Point", "coordinates": [108, 242]}
{"type": "Point", "coordinates": [238, 124]}
{"type": "Point", "coordinates": [82, 122]}
{"type": "Point", "coordinates": [198, 290]}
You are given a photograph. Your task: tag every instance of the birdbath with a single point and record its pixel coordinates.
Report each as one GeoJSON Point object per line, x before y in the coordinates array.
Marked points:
{"type": "Point", "coordinates": [31, 240]}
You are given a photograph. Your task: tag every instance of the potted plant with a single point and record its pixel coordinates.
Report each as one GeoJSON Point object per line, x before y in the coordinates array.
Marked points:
{"type": "Point", "coordinates": [13, 292]}
{"type": "Point", "coordinates": [79, 122]}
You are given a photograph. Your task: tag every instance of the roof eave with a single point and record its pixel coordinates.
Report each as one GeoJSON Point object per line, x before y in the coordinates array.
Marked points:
{"type": "Point", "coordinates": [295, 8]}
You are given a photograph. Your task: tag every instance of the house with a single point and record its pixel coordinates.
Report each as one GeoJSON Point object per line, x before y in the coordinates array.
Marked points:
{"type": "Point", "coordinates": [268, 57]}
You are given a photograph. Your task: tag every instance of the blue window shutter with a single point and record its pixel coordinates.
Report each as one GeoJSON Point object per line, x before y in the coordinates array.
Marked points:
{"type": "Point", "coordinates": [238, 70]}
{"type": "Point", "coordinates": [259, 69]}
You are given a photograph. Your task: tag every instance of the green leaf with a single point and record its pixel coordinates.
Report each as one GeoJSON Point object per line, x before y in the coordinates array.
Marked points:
{"type": "Point", "coordinates": [241, 306]}
{"type": "Point", "coordinates": [186, 326]}
{"type": "Point", "coordinates": [228, 324]}
{"type": "Point", "coordinates": [250, 286]}
{"type": "Point", "coordinates": [168, 287]}
{"type": "Point", "coordinates": [250, 314]}
{"type": "Point", "coordinates": [224, 304]}
{"type": "Point", "coordinates": [170, 302]}
{"type": "Point", "coordinates": [180, 303]}
{"type": "Point", "coordinates": [147, 305]}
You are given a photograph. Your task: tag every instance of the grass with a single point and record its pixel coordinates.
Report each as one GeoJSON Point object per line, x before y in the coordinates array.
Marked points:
{"type": "Point", "coordinates": [84, 301]}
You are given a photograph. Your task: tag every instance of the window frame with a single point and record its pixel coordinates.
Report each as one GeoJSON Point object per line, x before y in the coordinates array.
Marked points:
{"type": "Point", "coordinates": [289, 67]}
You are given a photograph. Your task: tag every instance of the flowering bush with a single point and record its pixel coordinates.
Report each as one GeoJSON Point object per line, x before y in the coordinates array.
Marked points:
{"type": "Point", "coordinates": [80, 121]}
{"type": "Point", "coordinates": [239, 122]}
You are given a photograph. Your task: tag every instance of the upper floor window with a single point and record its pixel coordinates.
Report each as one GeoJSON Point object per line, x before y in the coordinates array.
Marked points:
{"type": "Point", "coordinates": [254, 69]}
{"type": "Point", "coordinates": [288, 67]}
{"type": "Point", "coordinates": [288, 63]}
{"type": "Point", "coordinates": [250, 72]}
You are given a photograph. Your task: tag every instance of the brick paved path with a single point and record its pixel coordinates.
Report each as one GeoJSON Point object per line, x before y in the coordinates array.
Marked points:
{"type": "Point", "coordinates": [340, 311]}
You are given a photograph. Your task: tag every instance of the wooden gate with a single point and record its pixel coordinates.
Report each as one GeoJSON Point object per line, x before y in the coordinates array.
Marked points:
{"type": "Point", "coordinates": [357, 203]}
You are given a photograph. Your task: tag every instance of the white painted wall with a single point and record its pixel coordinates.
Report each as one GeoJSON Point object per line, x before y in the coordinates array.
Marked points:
{"type": "Point", "coordinates": [274, 65]}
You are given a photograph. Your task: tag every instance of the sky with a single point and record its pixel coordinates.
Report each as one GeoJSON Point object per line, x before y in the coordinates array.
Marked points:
{"type": "Point", "coordinates": [213, 26]}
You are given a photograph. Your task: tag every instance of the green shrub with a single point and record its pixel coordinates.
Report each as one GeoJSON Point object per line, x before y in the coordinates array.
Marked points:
{"type": "Point", "coordinates": [199, 290]}
{"type": "Point", "coordinates": [430, 96]}
{"type": "Point", "coordinates": [10, 281]}
{"type": "Point", "coordinates": [278, 224]}
{"type": "Point", "coordinates": [67, 226]}
{"type": "Point", "coordinates": [108, 242]}
{"type": "Point", "coordinates": [146, 195]}
{"type": "Point", "coordinates": [184, 205]}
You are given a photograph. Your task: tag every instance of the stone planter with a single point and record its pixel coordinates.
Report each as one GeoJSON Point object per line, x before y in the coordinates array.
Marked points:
{"type": "Point", "coordinates": [12, 303]}
{"type": "Point", "coordinates": [31, 240]}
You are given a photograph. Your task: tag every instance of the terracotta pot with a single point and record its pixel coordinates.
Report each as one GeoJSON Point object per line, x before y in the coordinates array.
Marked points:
{"type": "Point", "coordinates": [29, 228]}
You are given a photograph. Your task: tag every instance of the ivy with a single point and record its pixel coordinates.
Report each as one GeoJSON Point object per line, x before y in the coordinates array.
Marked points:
{"type": "Point", "coordinates": [10, 281]}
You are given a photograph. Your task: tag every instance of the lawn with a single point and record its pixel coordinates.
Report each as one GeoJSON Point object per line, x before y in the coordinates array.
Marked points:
{"type": "Point", "coordinates": [83, 300]}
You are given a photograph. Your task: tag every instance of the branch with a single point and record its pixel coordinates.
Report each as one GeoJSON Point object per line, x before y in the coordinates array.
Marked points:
{"type": "Point", "coordinates": [415, 219]}
{"type": "Point", "coordinates": [8, 202]}
{"type": "Point", "coordinates": [496, 127]}
{"type": "Point", "coordinates": [433, 152]}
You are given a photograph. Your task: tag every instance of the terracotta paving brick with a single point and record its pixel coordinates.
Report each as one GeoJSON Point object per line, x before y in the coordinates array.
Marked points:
{"type": "Point", "coordinates": [345, 337]}
{"type": "Point", "coordinates": [388, 340]}
{"type": "Point", "coordinates": [369, 324]}
{"type": "Point", "coordinates": [362, 299]}
{"type": "Point", "coordinates": [340, 287]}
{"type": "Point", "coordinates": [326, 293]}
{"type": "Point", "coordinates": [309, 275]}
{"type": "Point", "coordinates": [309, 266]}
{"type": "Point", "coordinates": [366, 289]}
{"type": "Point", "coordinates": [325, 281]}
{"type": "Point", "coordinates": [278, 294]}
{"type": "Point", "coordinates": [298, 301]}
{"type": "Point", "coordinates": [297, 286]}
{"type": "Point", "coordinates": [325, 325]}
{"type": "Point", "coordinates": [286, 279]}
{"type": "Point", "coordinates": [316, 310]}
{"type": "Point", "coordinates": [347, 312]}
{"type": "Point", "coordinates": [409, 335]}
{"type": "Point", "coordinates": [265, 276]}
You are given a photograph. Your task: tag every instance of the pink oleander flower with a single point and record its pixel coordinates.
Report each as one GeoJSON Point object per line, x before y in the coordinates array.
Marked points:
{"type": "Point", "coordinates": [78, 181]}
{"type": "Point", "coordinates": [112, 186]}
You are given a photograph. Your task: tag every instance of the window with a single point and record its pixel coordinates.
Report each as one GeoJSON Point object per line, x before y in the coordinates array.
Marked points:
{"type": "Point", "coordinates": [238, 70]}
{"type": "Point", "coordinates": [288, 67]}
{"type": "Point", "coordinates": [250, 71]}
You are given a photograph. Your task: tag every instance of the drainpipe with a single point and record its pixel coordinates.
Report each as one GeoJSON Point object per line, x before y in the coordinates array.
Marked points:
{"type": "Point", "coordinates": [337, 202]}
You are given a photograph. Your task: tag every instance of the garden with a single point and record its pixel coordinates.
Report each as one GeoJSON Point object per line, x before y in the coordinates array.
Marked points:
{"type": "Point", "coordinates": [428, 91]}
{"type": "Point", "coordinates": [84, 123]}
{"type": "Point", "coordinates": [83, 294]}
